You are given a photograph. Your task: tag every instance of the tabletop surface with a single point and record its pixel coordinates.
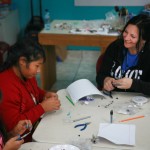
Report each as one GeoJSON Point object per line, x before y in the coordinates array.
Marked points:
{"type": "Point", "coordinates": [46, 146]}
{"type": "Point", "coordinates": [57, 128]}
{"type": "Point", "coordinates": [93, 27]}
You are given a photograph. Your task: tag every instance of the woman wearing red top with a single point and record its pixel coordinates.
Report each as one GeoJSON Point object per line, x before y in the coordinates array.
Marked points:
{"type": "Point", "coordinates": [13, 140]}
{"type": "Point", "coordinates": [22, 98]}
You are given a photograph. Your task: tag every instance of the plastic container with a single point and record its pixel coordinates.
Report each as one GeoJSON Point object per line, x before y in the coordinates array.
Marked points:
{"type": "Point", "coordinates": [47, 20]}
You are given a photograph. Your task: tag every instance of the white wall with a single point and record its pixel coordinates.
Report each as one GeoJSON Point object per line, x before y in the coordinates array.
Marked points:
{"type": "Point", "coordinates": [111, 2]}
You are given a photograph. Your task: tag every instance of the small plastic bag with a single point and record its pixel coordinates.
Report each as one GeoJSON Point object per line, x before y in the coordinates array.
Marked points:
{"type": "Point", "coordinates": [127, 109]}
{"type": "Point", "coordinates": [86, 99]}
{"type": "Point", "coordinates": [82, 144]}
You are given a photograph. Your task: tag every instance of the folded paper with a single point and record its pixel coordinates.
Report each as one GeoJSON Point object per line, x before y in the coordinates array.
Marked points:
{"type": "Point", "coordinates": [118, 133]}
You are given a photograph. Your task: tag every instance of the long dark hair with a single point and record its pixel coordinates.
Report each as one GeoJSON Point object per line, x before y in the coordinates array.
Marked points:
{"type": "Point", "coordinates": [4, 48]}
{"type": "Point", "coordinates": [142, 21]}
{"type": "Point", "coordinates": [3, 131]}
{"type": "Point", "coordinates": [27, 48]}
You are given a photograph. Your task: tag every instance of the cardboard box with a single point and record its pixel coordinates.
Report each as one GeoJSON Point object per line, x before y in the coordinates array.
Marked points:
{"type": "Point", "coordinates": [61, 52]}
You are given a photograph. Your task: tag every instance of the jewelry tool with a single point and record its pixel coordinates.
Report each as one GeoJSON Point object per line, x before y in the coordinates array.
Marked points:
{"type": "Point", "coordinates": [108, 93]}
{"type": "Point", "coordinates": [82, 118]}
{"type": "Point", "coordinates": [84, 126]}
{"type": "Point", "coordinates": [21, 137]}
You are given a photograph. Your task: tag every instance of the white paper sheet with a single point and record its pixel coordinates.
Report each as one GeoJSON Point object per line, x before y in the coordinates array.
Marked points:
{"type": "Point", "coordinates": [118, 133]}
{"type": "Point", "coordinates": [82, 88]}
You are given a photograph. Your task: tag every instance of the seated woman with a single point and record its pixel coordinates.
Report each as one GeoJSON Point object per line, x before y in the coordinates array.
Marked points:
{"type": "Point", "coordinates": [9, 141]}
{"type": "Point", "coordinates": [126, 62]}
{"type": "Point", "coordinates": [12, 140]}
{"type": "Point", "coordinates": [22, 98]}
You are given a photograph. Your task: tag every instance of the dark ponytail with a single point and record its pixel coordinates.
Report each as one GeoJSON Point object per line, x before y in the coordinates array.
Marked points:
{"type": "Point", "coordinates": [4, 48]}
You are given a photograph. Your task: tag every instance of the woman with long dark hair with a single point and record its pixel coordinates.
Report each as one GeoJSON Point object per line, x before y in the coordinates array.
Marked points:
{"type": "Point", "coordinates": [12, 140]}
{"type": "Point", "coordinates": [22, 98]}
{"type": "Point", "coordinates": [126, 62]}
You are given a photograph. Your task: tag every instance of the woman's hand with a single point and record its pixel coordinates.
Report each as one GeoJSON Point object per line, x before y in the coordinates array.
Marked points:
{"type": "Point", "coordinates": [50, 104]}
{"type": "Point", "coordinates": [21, 127]}
{"type": "Point", "coordinates": [108, 84]}
{"type": "Point", "coordinates": [124, 83]}
{"type": "Point", "coordinates": [13, 144]}
{"type": "Point", "coordinates": [50, 94]}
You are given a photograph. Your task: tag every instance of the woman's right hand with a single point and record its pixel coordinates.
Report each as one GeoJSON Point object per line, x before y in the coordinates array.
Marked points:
{"type": "Point", "coordinates": [13, 144]}
{"type": "Point", "coordinates": [108, 84]}
{"type": "Point", "coordinates": [50, 104]}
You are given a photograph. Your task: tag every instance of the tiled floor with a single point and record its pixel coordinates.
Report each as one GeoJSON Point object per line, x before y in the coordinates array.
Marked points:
{"type": "Point", "coordinates": [77, 65]}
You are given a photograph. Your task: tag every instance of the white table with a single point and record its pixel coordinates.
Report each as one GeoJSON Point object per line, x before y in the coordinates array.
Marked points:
{"type": "Point", "coordinates": [44, 146]}
{"type": "Point", "coordinates": [35, 146]}
{"type": "Point", "coordinates": [54, 128]}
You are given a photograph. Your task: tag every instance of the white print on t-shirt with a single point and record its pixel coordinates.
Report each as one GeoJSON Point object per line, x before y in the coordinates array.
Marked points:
{"type": "Point", "coordinates": [133, 74]}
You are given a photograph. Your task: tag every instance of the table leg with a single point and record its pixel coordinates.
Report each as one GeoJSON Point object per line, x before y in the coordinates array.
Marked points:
{"type": "Point", "coordinates": [48, 69]}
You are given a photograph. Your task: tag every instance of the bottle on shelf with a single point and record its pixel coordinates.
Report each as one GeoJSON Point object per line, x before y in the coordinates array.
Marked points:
{"type": "Point", "coordinates": [47, 20]}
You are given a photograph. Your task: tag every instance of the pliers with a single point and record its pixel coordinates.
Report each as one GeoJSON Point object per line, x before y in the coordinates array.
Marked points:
{"type": "Point", "coordinates": [108, 93]}
{"type": "Point", "coordinates": [21, 137]}
{"type": "Point", "coordinates": [84, 126]}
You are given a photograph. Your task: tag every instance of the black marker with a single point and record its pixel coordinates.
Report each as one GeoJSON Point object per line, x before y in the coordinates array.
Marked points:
{"type": "Point", "coordinates": [111, 116]}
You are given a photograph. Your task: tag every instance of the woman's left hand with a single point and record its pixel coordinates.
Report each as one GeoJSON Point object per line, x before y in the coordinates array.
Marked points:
{"type": "Point", "coordinates": [21, 127]}
{"type": "Point", "coordinates": [124, 83]}
{"type": "Point", "coordinates": [13, 143]}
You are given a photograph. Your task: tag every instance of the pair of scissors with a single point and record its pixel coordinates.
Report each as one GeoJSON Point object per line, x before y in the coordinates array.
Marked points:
{"type": "Point", "coordinates": [83, 124]}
